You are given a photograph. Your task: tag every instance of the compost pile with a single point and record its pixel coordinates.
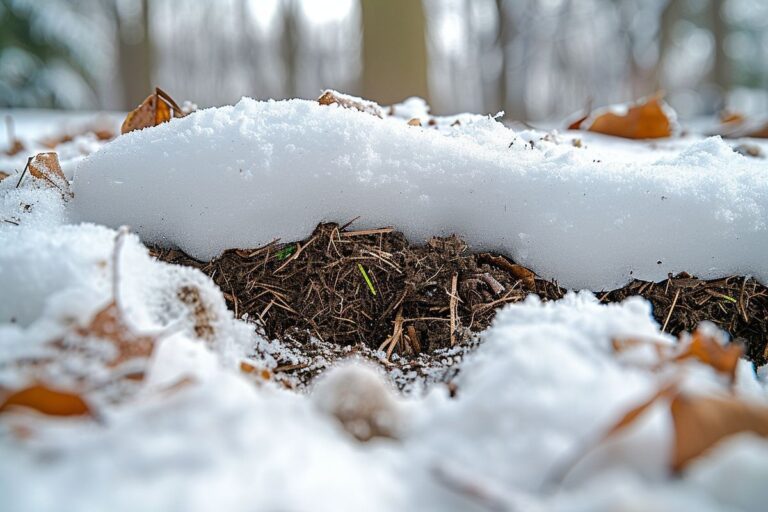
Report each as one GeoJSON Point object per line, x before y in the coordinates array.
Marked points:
{"type": "Point", "coordinates": [371, 289]}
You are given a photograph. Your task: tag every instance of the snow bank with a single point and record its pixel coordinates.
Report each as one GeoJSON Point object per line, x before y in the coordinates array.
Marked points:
{"type": "Point", "coordinates": [240, 176]}
{"type": "Point", "coordinates": [539, 389]}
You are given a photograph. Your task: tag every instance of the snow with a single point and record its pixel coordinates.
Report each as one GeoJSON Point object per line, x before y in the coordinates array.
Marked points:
{"type": "Point", "coordinates": [532, 400]}
{"type": "Point", "coordinates": [590, 217]}
{"type": "Point", "coordinates": [542, 386]}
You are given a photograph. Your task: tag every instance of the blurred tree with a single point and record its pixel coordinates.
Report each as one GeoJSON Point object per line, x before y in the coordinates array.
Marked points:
{"type": "Point", "coordinates": [394, 50]}
{"type": "Point", "coordinates": [134, 49]}
{"type": "Point", "coordinates": [39, 67]}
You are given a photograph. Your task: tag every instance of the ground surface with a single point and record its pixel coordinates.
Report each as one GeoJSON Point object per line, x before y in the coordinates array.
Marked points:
{"type": "Point", "coordinates": [251, 382]}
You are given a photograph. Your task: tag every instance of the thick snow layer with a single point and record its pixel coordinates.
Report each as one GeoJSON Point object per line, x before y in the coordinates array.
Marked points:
{"type": "Point", "coordinates": [243, 175]}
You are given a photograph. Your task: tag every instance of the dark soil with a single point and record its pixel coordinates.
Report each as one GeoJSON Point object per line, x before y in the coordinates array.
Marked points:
{"type": "Point", "coordinates": [737, 304]}
{"type": "Point", "coordinates": [432, 297]}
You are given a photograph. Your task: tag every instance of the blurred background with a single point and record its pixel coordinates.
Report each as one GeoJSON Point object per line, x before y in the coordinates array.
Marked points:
{"type": "Point", "coordinates": [534, 59]}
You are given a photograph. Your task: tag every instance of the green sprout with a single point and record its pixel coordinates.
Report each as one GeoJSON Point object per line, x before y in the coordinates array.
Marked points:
{"type": "Point", "coordinates": [367, 279]}
{"type": "Point", "coordinates": [285, 252]}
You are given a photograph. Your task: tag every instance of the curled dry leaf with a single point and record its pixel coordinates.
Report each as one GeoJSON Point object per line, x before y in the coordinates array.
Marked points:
{"type": "Point", "coordinates": [102, 134]}
{"type": "Point", "coordinates": [46, 401]}
{"type": "Point", "coordinates": [157, 108]}
{"type": "Point", "coordinates": [15, 146]}
{"type": "Point", "coordinates": [734, 125]}
{"type": "Point", "coordinates": [649, 118]}
{"type": "Point", "coordinates": [331, 97]}
{"type": "Point", "coordinates": [108, 324]}
{"type": "Point", "coordinates": [699, 422]}
{"type": "Point", "coordinates": [3, 175]}
{"type": "Point", "coordinates": [251, 369]}
{"type": "Point", "coordinates": [46, 168]}
{"type": "Point", "coordinates": [707, 349]}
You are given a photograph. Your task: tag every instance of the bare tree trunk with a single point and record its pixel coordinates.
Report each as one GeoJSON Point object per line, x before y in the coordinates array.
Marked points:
{"type": "Point", "coordinates": [394, 50]}
{"type": "Point", "coordinates": [503, 41]}
{"type": "Point", "coordinates": [289, 44]}
{"type": "Point", "coordinates": [134, 50]}
{"type": "Point", "coordinates": [719, 75]}
{"type": "Point", "coordinates": [668, 17]}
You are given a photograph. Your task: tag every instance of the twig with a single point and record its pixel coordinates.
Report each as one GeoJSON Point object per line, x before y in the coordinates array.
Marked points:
{"type": "Point", "coordinates": [671, 309]}
{"type": "Point", "coordinates": [453, 307]}
{"type": "Point", "coordinates": [413, 339]}
{"type": "Point", "coordinates": [345, 226]}
{"type": "Point", "coordinates": [296, 254]}
{"type": "Point", "coordinates": [364, 232]}
{"type": "Point", "coordinates": [18, 183]}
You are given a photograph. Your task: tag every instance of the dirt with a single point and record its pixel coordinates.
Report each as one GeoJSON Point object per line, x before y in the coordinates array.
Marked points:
{"type": "Point", "coordinates": [416, 309]}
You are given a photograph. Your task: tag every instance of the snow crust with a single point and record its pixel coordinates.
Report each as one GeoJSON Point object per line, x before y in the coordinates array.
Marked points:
{"type": "Point", "coordinates": [243, 175]}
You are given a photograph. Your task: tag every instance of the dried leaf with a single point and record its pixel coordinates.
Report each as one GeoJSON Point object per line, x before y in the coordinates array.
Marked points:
{"type": "Point", "coordinates": [646, 119]}
{"type": "Point", "coordinates": [247, 367]}
{"type": "Point", "coordinates": [701, 422]}
{"type": "Point", "coordinates": [734, 125]}
{"type": "Point", "coordinates": [16, 147]}
{"type": "Point", "coordinates": [157, 108]}
{"type": "Point", "coordinates": [203, 316]}
{"type": "Point", "coordinates": [46, 167]}
{"type": "Point", "coordinates": [3, 175]}
{"type": "Point", "coordinates": [102, 134]}
{"type": "Point", "coordinates": [108, 324]}
{"type": "Point", "coordinates": [633, 414]}
{"type": "Point", "coordinates": [331, 97]}
{"type": "Point", "coordinates": [47, 401]}
{"type": "Point", "coordinates": [729, 117]}
{"type": "Point", "coordinates": [414, 122]}
{"type": "Point", "coordinates": [708, 350]}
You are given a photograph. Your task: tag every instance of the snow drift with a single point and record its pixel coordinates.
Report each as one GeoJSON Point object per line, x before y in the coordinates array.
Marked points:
{"type": "Point", "coordinates": [243, 175]}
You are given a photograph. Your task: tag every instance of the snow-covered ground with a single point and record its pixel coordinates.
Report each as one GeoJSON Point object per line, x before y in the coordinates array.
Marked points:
{"type": "Point", "coordinates": [199, 433]}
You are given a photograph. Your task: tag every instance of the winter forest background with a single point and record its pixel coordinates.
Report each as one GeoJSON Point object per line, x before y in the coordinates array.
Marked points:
{"type": "Point", "coordinates": [534, 59]}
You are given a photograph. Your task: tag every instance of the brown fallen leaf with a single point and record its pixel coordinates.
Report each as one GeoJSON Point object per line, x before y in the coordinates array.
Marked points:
{"type": "Point", "coordinates": [102, 134]}
{"type": "Point", "coordinates": [708, 350]}
{"type": "Point", "coordinates": [701, 422]}
{"type": "Point", "coordinates": [108, 324]}
{"type": "Point", "coordinates": [247, 367]}
{"type": "Point", "coordinates": [645, 119]}
{"type": "Point", "coordinates": [46, 167]}
{"type": "Point", "coordinates": [157, 108]}
{"type": "Point", "coordinates": [3, 175]}
{"type": "Point", "coordinates": [15, 146]}
{"type": "Point", "coordinates": [331, 97]}
{"type": "Point", "coordinates": [47, 401]}
{"type": "Point", "coordinates": [734, 125]}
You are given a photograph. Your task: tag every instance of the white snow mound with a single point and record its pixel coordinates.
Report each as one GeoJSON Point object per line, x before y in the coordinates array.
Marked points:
{"type": "Point", "coordinates": [243, 175]}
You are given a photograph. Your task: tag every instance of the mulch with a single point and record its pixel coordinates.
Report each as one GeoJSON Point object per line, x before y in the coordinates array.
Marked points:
{"type": "Point", "coordinates": [372, 289]}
